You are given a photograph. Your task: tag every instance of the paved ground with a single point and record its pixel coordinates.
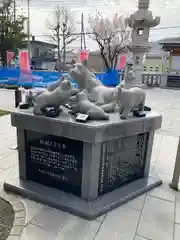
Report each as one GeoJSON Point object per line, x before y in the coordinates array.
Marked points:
{"type": "Point", "coordinates": [7, 99]}
{"type": "Point", "coordinates": [153, 216]}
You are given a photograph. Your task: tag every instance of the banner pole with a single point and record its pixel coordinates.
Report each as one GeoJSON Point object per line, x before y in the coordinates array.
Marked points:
{"type": "Point", "coordinates": [175, 180]}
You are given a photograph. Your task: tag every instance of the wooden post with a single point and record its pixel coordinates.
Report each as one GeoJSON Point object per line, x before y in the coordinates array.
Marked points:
{"type": "Point", "coordinates": [18, 97]}
{"type": "Point", "coordinates": [176, 174]}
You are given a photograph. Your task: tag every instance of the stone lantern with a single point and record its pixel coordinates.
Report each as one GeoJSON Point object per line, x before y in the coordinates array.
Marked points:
{"type": "Point", "coordinates": [141, 22]}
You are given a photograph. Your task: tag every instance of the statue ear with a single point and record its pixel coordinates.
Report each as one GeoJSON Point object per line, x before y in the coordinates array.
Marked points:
{"type": "Point", "coordinates": [85, 91]}
{"type": "Point", "coordinates": [80, 66]}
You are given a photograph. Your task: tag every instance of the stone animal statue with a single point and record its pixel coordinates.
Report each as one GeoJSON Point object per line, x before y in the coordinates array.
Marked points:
{"type": "Point", "coordinates": [84, 106]}
{"type": "Point", "coordinates": [102, 96]}
{"type": "Point", "coordinates": [53, 86]}
{"type": "Point", "coordinates": [74, 91]}
{"type": "Point", "coordinates": [59, 96]}
{"type": "Point", "coordinates": [82, 76]}
{"type": "Point", "coordinates": [30, 98]}
{"type": "Point", "coordinates": [130, 99]}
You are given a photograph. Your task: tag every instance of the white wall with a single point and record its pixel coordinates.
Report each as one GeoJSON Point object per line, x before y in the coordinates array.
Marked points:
{"type": "Point", "coordinates": [48, 65]}
{"type": "Point", "coordinates": [175, 64]}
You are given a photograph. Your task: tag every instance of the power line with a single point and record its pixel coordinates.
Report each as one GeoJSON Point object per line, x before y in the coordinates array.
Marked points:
{"type": "Point", "coordinates": [91, 33]}
{"type": "Point", "coordinates": [47, 3]}
{"type": "Point", "coordinates": [162, 28]}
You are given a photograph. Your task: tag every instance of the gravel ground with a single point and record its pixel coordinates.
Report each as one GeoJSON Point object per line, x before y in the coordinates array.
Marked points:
{"type": "Point", "coordinates": [6, 218]}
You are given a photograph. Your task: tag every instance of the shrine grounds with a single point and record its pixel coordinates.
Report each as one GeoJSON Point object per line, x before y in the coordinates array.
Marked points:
{"type": "Point", "coordinates": [153, 216]}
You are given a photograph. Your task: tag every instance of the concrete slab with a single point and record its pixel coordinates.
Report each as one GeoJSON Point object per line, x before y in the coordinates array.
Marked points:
{"type": "Point", "coordinates": [70, 203]}
{"type": "Point", "coordinates": [157, 219]}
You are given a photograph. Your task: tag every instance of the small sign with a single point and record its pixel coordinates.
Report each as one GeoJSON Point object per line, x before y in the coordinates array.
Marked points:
{"type": "Point", "coordinates": [9, 57]}
{"type": "Point", "coordinates": [68, 106]}
{"type": "Point", "coordinates": [146, 108]}
{"type": "Point", "coordinates": [52, 112]}
{"type": "Point", "coordinates": [138, 114]}
{"type": "Point", "coordinates": [84, 55]}
{"type": "Point", "coordinates": [82, 118]}
{"type": "Point", "coordinates": [24, 106]}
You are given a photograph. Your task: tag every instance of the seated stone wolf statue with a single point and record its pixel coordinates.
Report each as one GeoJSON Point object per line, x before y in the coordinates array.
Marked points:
{"type": "Point", "coordinates": [55, 98]}
{"type": "Point", "coordinates": [32, 96]}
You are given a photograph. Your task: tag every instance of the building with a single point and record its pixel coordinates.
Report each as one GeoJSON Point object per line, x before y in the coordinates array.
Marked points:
{"type": "Point", "coordinates": [70, 58]}
{"type": "Point", "coordinates": [95, 61]}
{"type": "Point", "coordinates": [42, 54]}
{"type": "Point", "coordinates": [154, 58]}
{"type": "Point", "coordinates": [153, 61]}
{"type": "Point", "coordinates": [172, 47]}
{"type": "Point", "coordinates": [70, 55]}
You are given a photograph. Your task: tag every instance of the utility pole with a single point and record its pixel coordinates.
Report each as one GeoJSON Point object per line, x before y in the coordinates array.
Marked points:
{"type": "Point", "coordinates": [28, 29]}
{"type": "Point", "coordinates": [84, 36]}
{"type": "Point", "coordinates": [64, 46]}
{"type": "Point", "coordinates": [83, 40]}
{"type": "Point", "coordinates": [81, 32]}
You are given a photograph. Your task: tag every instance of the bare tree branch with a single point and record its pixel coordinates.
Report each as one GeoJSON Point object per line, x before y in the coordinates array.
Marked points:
{"type": "Point", "coordinates": [61, 25]}
{"type": "Point", "coordinates": [112, 37]}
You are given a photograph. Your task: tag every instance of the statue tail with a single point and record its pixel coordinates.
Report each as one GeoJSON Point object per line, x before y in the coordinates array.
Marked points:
{"type": "Point", "coordinates": [98, 115]}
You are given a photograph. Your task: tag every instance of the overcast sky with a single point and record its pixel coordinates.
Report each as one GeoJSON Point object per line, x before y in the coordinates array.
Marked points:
{"type": "Point", "coordinates": [168, 10]}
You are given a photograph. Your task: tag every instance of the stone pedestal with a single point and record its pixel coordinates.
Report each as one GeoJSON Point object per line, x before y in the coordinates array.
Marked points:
{"type": "Point", "coordinates": [85, 169]}
{"type": "Point", "coordinates": [138, 70]}
{"type": "Point", "coordinates": [137, 82]}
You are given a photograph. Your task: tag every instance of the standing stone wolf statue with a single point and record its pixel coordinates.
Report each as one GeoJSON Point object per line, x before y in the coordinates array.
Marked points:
{"type": "Point", "coordinates": [102, 96]}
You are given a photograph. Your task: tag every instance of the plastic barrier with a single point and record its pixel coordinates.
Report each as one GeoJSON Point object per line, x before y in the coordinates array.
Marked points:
{"type": "Point", "coordinates": [109, 78]}
{"type": "Point", "coordinates": [44, 78]}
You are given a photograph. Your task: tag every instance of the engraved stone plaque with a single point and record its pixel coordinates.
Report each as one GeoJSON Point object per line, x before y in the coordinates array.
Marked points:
{"type": "Point", "coordinates": [122, 161]}
{"type": "Point", "coordinates": [54, 161]}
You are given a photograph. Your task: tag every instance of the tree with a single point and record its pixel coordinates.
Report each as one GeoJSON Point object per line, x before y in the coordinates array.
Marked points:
{"type": "Point", "coordinates": [61, 26]}
{"type": "Point", "coordinates": [12, 34]}
{"type": "Point", "coordinates": [112, 37]}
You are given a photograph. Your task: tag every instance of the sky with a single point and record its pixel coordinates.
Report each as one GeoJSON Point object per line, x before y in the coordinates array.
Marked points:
{"type": "Point", "coordinates": [40, 10]}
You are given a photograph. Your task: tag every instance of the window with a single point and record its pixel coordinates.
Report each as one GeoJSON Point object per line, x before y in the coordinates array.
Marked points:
{"type": "Point", "coordinates": [140, 31]}
{"type": "Point", "coordinates": [36, 52]}
{"type": "Point", "coordinates": [137, 60]}
{"type": "Point", "coordinates": [157, 69]}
